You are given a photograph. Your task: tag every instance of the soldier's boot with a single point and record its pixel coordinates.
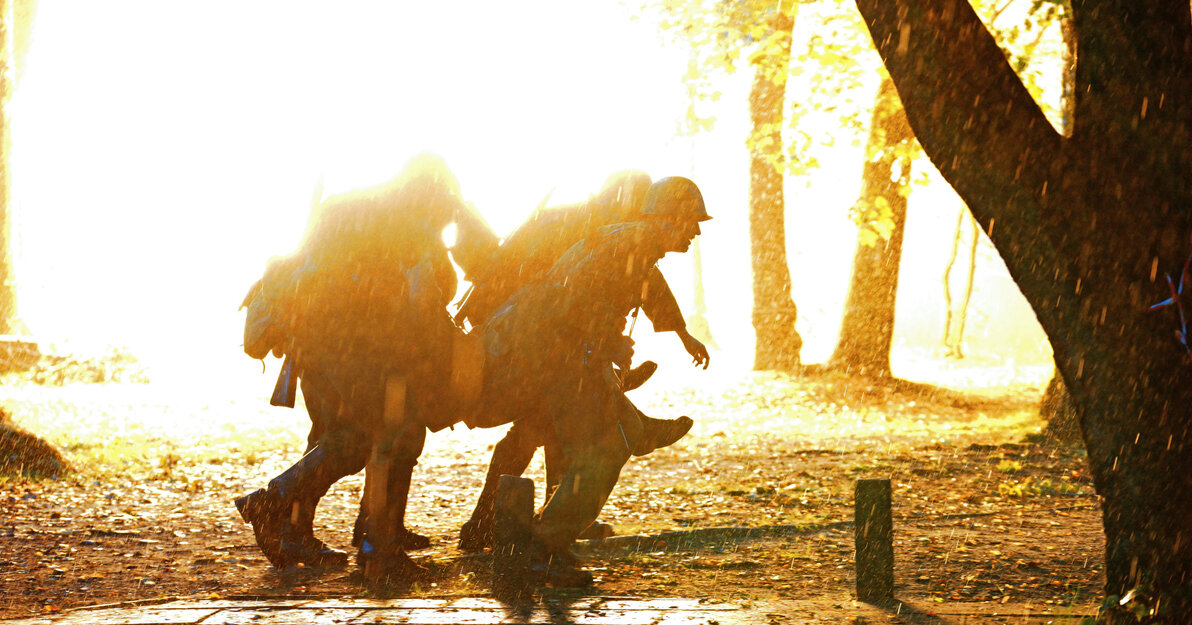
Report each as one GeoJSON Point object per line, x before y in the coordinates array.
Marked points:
{"type": "Point", "coordinates": [410, 540]}
{"type": "Point", "coordinates": [659, 433]}
{"type": "Point", "coordinates": [511, 456]}
{"type": "Point", "coordinates": [299, 544]}
{"type": "Point", "coordinates": [637, 376]}
{"type": "Point", "coordinates": [476, 535]}
{"type": "Point", "coordinates": [264, 513]}
{"type": "Point", "coordinates": [271, 510]}
{"type": "Point", "coordinates": [381, 554]}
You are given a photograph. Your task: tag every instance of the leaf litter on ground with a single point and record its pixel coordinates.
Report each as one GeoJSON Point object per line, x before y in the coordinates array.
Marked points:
{"type": "Point", "coordinates": [754, 503]}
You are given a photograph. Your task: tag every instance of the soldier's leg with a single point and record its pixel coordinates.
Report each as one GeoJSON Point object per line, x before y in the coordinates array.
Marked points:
{"type": "Point", "coordinates": [654, 434]}
{"type": "Point", "coordinates": [276, 512]}
{"type": "Point", "coordinates": [597, 431]}
{"type": "Point", "coordinates": [511, 456]}
{"type": "Point", "coordinates": [557, 465]}
{"type": "Point", "coordinates": [321, 405]}
{"type": "Point", "coordinates": [387, 489]}
{"type": "Point", "coordinates": [574, 506]}
{"type": "Point", "coordinates": [582, 491]}
{"type": "Point", "coordinates": [659, 433]}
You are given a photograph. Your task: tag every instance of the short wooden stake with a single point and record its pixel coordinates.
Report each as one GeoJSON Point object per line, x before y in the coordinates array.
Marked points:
{"type": "Point", "coordinates": [875, 541]}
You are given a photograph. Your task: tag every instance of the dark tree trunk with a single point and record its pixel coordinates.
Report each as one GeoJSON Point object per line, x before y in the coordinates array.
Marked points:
{"type": "Point", "coordinates": [1088, 225]}
{"type": "Point", "coordinates": [774, 312]}
{"type": "Point", "coordinates": [867, 329]}
{"type": "Point", "coordinates": [1063, 421]}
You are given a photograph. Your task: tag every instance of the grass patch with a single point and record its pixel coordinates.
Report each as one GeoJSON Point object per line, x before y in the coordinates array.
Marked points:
{"type": "Point", "coordinates": [116, 430]}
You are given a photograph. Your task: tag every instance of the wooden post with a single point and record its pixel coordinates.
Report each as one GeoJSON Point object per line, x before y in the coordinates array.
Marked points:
{"type": "Point", "coordinates": [875, 541]}
{"type": "Point", "coordinates": [513, 514]}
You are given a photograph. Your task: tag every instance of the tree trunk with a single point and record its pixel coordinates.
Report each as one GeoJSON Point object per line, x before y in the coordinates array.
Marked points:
{"type": "Point", "coordinates": [1088, 225]}
{"type": "Point", "coordinates": [774, 312]}
{"type": "Point", "coordinates": [697, 323]}
{"type": "Point", "coordinates": [867, 330]}
{"type": "Point", "coordinates": [8, 294]}
{"type": "Point", "coordinates": [1063, 421]}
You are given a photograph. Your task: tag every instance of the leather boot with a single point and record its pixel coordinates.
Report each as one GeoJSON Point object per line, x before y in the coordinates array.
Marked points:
{"type": "Point", "coordinates": [264, 513]}
{"type": "Point", "coordinates": [475, 536]}
{"type": "Point", "coordinates": [409, 540]}
{"type": "Point", "coordinates": [271, 511]}
{"type": "Point", "coordinates": [298, 541]}
{"type": "Point", "coordinates": [511, 456]}
{"type": "Point", "coordinates": [658, 433]}
{"type": "Point", "coordinates": [637, 376]}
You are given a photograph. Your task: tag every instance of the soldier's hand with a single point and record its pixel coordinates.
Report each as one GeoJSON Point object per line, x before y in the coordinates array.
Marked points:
{"type": "Point", "coordinates": [699, 353]}
{"type": "Point", "coordinates": [620, 351]}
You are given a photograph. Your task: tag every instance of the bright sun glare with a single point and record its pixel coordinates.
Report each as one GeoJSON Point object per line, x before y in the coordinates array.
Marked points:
{"type": "Point", "coordinates": [163, 151]}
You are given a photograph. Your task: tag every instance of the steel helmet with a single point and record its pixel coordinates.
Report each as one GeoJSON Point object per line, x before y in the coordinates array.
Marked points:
{"type": "Point", "coordinates": [675, 196]}
{"type": "Point", "coordinates": [624, 189]}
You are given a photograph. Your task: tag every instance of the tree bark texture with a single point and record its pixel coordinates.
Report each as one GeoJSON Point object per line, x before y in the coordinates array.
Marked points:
{"type": "Point", "coordinates": [774, 312]}
{"type": "Point", "coordinates": [1063, 421]}
{"type": "Point", "coordinates": [1088, 226]}
{"type": "Point", "coordinates": [867, 330]}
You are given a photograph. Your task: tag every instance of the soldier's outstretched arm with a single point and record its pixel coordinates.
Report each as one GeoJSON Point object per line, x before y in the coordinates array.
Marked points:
{"type": "Point", "coordinates": [658, 302]}
{"type": "Point", "coordinates": [699, 353]}
{"type": "Point", "coordinates": [661, 308]}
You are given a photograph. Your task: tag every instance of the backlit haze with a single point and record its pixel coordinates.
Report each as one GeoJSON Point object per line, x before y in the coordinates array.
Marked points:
{"type": "Point", "coordinates": [162, 151]}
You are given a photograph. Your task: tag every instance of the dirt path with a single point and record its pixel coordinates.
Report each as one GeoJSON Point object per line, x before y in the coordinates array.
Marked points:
{"type": "Point", "coordinates": [754, 505]}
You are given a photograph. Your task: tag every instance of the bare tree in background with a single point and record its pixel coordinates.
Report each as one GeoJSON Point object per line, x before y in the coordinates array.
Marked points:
{"type": "Point", "coordinates": [867, 330]}
{"type": "Point", "coordinates": [697, 323]}
{"type": "Point", "coordinates": [774, 312]}
{"type": "Point", "coordinates": [955, 316]}
{"type": "Point", "coordinates": [16, 26]}
{"type": "Point", "coordinates": [8, 293]}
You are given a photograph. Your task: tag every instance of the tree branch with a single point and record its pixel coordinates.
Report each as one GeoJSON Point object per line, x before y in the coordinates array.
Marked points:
{"type": "Point", "coordinates": [986, 135]}
{"type": "Point", "coordinates": [971, 112]}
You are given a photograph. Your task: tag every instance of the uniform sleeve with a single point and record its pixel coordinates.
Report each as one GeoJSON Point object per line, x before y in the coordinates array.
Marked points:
{"type": "Point", "coordinates": [658, 302]}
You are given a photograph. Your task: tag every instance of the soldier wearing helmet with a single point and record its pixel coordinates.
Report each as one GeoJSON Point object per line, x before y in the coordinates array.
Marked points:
{"type": "Point", "coordinates": [523, 258]}
{"type": "Point", "coordinates": [361, 301]}
{"type": "Point", "coordinates": [557, 341]}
